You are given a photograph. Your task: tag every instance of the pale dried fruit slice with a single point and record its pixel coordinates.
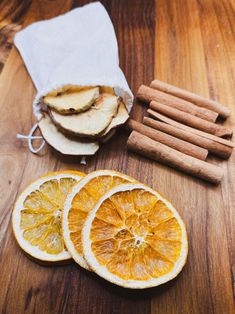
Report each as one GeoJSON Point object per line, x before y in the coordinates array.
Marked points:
{"type": "Point", "coordinates": [135, 238]}
{"type": "Point", "coordinates": [73, 102]}
{"type": "Point", "coordinates": [107, 89]}
{"type": "Point", "coordinates": [80, 202]}
{"type": "Point", "coordinates": [92, 122]}
{"type": "Point", "coordinates": [120, 118]}
{"type": "Point", "coordinates": [68, 89]}
{"type": "Point", "coordinates": [36, 217]}
{"type": "Point", "coordinates": [76, 88]}
{"type": "Point", "coordinates": [62, 143]}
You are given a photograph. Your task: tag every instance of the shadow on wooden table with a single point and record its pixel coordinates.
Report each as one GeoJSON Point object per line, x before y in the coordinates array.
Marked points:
{"type": "Point", "coordinates": [140, 294]}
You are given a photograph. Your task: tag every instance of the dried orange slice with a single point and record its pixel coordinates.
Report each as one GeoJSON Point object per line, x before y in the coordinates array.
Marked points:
{"type": "Point", "coordinates": [135, 238]}
{"type": "Point", "coordinates": [80, 202]}
{"type": "Point", "coordinates": [36, 217]}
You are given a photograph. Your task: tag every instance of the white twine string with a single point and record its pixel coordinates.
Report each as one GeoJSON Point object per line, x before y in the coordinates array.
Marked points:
{"type": "Point", "coordinates": [30, 137]}
{"type": "Point", "coordinates": [83, 160]}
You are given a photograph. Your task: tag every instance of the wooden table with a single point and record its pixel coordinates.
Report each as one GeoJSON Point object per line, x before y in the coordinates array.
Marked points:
{"type": "Point", "coordinates": [189, 43]}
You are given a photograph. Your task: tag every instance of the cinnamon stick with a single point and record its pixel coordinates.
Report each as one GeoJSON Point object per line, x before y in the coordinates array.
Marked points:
{"type": "Point", "coordinates": [145, 146]}
{"type": "Point", "coordinates": [191, 120]}
{"type": "Point", "coordinates": [184, 127]}
{"type": "Point", "coordinates": [194, 98]}
{"type": "Point", "coordinates": [148, 94]}
{"type": "Point", "coordinates": [171, 141]}
{"type": "Point", "coordinates": [213, 147]}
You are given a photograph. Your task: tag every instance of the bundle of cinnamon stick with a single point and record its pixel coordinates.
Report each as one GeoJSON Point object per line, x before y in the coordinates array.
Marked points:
{"type": "Point", "coordinates": [181, 130]}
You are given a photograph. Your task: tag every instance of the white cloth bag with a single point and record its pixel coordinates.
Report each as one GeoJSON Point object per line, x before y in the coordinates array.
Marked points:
{"type": "Point", "coordinates": [76, 48]}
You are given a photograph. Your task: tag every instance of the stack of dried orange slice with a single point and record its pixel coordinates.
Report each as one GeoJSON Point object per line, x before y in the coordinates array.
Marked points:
{"type": "Point", "coordinates": [107, 222]}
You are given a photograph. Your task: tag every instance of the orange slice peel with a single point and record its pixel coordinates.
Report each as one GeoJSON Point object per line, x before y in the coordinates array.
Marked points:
{"type": "Point", "coordinates": [135, 238]}
{"type": "Point", "coordinates": [36, 217]}
{"type": "Point", "coordinates": [80, 202]}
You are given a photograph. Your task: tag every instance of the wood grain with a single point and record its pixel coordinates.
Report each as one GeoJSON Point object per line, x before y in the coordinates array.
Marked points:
{"type": "Point", "coordinates": [67, 289]}
{"type": "Point", "coordinates": [193, 50]}
{"type": "Point", "coordinates": [12, 14]}
{"type": "Point", "coordinates": [189, 43]}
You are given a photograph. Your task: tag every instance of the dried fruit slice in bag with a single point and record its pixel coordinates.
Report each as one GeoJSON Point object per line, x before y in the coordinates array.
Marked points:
{"type": "Point", "coordinates": [64, 144]}
{"type": "Point", "coordinates": [72, 102]}
{"type": "Point", "coordinates": [90, 123]}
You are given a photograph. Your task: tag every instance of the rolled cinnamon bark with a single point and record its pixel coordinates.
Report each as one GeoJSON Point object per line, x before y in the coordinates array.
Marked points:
{"type": "Point", "coordinates": [147, 147]}
{"type": "Point", "coordinates": [194, 98]}
{"type": "Point", "coordinates": [191, 120]}
{"type": "Point", "coordinates": [213, 147]}
{"type": "Point", "coordinates": [184, 127]}
{"type": "Point", "coordinates": [171, 141]}
{"type": "Point", "coordinates": [148, 94]}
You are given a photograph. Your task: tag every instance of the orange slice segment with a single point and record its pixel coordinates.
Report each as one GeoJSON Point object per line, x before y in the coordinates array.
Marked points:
{"type": "Point", "coordinates": [135, 238]}
{"type": "Point", "coordinates": [81, 201]}
{"type": "Point", "coordinates": [36, 217]}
